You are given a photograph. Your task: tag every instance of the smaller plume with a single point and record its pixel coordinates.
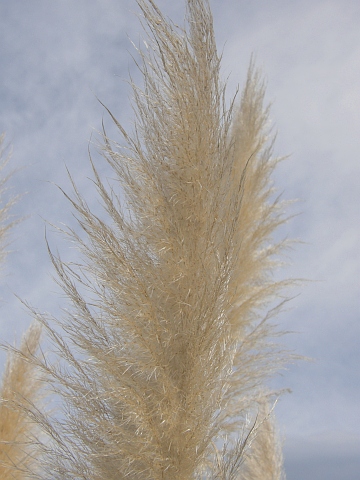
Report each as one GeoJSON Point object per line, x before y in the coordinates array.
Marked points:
{"type": "Point", "coordinates": [19, 379]}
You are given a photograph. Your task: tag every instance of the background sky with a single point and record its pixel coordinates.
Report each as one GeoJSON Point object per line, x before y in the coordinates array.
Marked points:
{"type": "Point", "coordinates": [57, 57]}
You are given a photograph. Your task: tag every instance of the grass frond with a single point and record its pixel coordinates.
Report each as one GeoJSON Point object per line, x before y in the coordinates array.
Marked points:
{"type": "Point", "coordinates": [20, 387]}
{"type": "Point", "coordinates": [165, 346]}
{"type": "Point", "coordinates": [264, 460]}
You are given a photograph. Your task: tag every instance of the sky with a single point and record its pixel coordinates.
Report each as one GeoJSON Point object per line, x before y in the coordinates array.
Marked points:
{"type": "Point", "coordinates": [57, 58]}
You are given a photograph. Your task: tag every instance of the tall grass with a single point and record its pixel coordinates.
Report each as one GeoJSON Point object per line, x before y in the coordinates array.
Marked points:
{"type": "Point", "coordinates": [19, 391]}
{"type": "Point", "coordinates": [263, 459]}
{"type": "Point", "coordinates": [165, 347]}
{"type": "Point", "coordinates": [19, 379]}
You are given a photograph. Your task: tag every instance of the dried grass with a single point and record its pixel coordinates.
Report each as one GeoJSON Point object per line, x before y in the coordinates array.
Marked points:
{"type": "Point", "coordinates": [19, 384]}
{"type": "Point", "coordinates": [263, 459]}
{"type": "Point", "coordinates": [20, 389]}
{"type": "Point", "coordinates": [165, 348]}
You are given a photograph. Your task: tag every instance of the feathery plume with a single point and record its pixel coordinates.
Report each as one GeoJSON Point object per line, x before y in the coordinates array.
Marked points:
{"type": "Point", "coordinates": [19, 379]}
{"type": "Point", "coordinates": [263, 460]}
{"type": "Point", "coordinates": [20, 388]}
{"type": "Point", "coordinates": [165, 349]}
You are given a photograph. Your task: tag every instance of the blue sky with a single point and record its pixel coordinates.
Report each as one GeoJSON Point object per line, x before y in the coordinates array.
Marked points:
{"type": "Point", "coordinates": [57, 57]}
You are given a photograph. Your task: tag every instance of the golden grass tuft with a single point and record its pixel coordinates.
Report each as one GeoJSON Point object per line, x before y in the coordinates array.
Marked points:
{"type": "Point", "coordinates": [20, 384]}
{"type": "Point", "coordinates": [165, 346]}
{"type": "Point", "coordinates": [20, 389]}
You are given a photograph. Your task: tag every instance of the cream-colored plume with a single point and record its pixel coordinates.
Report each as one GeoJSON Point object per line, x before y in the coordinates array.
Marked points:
{"type": "Point", "coordinates": [165, 346]}
{"type": "Point", "coordinates": [19, 379]}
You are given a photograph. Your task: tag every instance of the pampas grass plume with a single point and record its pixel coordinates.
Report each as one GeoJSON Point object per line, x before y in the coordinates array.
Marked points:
{"type": "Point", "coordinates": [166, 348]}
{"type": "Point", "coordinates": [20, 384]}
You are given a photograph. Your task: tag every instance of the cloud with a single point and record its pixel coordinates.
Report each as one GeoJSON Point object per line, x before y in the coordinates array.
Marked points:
{"type": "Point", "coordinates": [331, 456]}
